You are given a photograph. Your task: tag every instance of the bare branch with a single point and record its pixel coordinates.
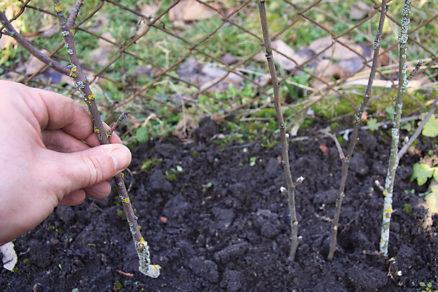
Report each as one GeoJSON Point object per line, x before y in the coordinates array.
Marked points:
{"type": "Point", "coordinates": [338, 146]}
{"type": "Point", "coordinates": [398, 105]}
{"type": "Point", "coordinates": [116, 123]}
{"type": "Point", "coordinates": [418, 131]}
{"type": "Point", "coordinates": [354, 135]}
{"type": "Point", "coordinates": [10, 31]}
{"type": "Point", "coordinates": [285, 155]}
{"type": "Point", "coordinates": [73, 14]}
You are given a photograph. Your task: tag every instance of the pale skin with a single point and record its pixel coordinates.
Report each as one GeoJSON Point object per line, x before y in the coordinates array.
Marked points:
{"type": "Point", "coordinates": [49, 156]}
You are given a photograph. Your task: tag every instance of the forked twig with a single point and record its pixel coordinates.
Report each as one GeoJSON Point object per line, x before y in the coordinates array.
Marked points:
{"type": "Point", "coordinates": [284, 143]}
{"type": "Point", "coordinates": [354, 135]}
{"type": "Point", "coordinates": [418, 130]}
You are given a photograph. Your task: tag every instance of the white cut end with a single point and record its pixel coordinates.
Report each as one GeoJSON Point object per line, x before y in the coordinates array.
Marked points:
{"type": "Point", "coordinates": [283, 189]}
{"type": "Point", "coordinates": [346, 134]}
{"type": "Point", "coordinates": [152, 271]}
{"type": "Point", "coordinates": [9, 256]}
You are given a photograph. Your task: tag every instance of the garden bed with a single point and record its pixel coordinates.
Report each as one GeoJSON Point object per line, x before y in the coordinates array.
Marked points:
{"type": "Point", "coordinates": [215, 220]}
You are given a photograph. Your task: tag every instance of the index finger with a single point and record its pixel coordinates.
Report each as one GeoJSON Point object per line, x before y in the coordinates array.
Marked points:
{"type": "Point", "coordinates": [54, 111]}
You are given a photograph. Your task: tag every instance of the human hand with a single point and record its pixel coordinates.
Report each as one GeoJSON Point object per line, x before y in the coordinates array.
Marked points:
{"type": "Point", "coordinates": [49, 156]}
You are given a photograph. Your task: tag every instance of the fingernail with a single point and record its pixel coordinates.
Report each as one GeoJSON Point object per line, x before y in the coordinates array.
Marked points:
{"type": "Point", "coordinates": [121, 157]}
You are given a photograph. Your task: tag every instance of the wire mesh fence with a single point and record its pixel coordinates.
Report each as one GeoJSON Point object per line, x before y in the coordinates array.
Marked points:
{"type": "Point", "coordinates": [171, 62]}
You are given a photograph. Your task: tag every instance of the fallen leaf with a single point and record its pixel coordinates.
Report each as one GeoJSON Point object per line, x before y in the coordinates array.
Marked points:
{"type": "Point", "coordinates": [205, 75]}
{"type": "Point", "coordinates": [185, 127]}
{"type": "Point", "coordinates": [179, 98]}
{"type": "Point", "coordinates": [104, 48]}
{"type": "Point", "coordinates": [359, 10]}
{"type": "Point", "coordinates": [384, 59]}
{"type": "Point", "coordinates": [189, 10]}
{"type": "Point", "coordinates": [6, 41]}
{"type": "Point", "coordinates": [46, 31]}
{"type": "Point", "coordinates": [99, 21]}
{"type": "Point", "coordinates": [229, 59]}
{"type": "Point", "coordinates": [264, 79]}
{"type": "Point", "coordinates": [149, 10]}
{"type": "Point", "coordinates": [217, 118]}
{"type": "Point", "coordinates": [281, 60]}
{"type": "Point", "coordinates": [337, 51]}
{"type": "Point", "coordinates": [326, 70]}
{"type": "Point", "coordinates": [33, 64]}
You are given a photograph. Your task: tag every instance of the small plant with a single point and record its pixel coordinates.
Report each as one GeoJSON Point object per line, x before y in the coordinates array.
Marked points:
{"type": "Point", "coordinates": [422, 172]}
{"type": "Point", "coordinates": [407, 209]}
{"type": "Point", "coordinates": [427, 287]}
{"type": "Point", "coordinates": [150, 163]}
{"type": "Point", "coordinates": [171, 174]}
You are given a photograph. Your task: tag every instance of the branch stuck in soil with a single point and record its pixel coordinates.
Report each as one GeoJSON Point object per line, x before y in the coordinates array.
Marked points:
{"type": "Point", "coordinates": [354, 135]}
{"type": "Point", "coordinates": [398, 105]}
{"type": "Point", "coordinates": [284, 143]}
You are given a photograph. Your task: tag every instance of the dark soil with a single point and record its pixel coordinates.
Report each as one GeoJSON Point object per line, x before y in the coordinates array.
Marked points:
{"type": "Point", "coordinates": [222, 224]}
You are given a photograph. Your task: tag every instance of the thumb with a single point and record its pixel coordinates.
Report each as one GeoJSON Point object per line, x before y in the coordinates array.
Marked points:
{"type": "Point", "coordinates": [91, 166]}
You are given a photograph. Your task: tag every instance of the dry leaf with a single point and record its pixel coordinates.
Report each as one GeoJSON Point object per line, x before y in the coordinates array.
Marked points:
{"type": "Point", "coordinates": [46, 31]}
{"type": "Point", "coordinates": [149, 10]}
{"type": "Point", "coordinates": [101, 54]}
{"type": "Point", "coordinates": [205, 75]}
{"type": "Point", "coordinates": [185, 127]}
{"type": "Point", "coordinates": [337, 51]}
{"type": "Point", "coordinates": [281, 60]}
{"type": "Point", "coordinates": [218, 118]}
{"type": "Point", "coordinates": [327, 71]}
{"type": "Point", "coordinates": [189, 10]}
{"type": "Point", "coordinates": [359, 10]}
{"type": "Point", "coordinates": [6, 41]}
{"type": "Point", "coordinates": [33, 64]}
{"type": "Point", "coordinates": [99, 21]}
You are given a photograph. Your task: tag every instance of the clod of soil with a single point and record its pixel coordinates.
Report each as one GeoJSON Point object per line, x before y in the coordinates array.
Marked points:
{"type": "Point", "coordinates": [223, 224]}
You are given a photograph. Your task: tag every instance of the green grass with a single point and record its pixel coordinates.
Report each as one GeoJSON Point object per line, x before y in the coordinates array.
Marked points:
{"type": "Point", "coordinates": [162, 50]}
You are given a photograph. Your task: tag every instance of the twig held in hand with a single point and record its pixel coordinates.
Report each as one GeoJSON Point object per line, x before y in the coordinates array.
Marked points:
{"type": "Point", "coordinates": [82, 84]}
{"type": "Point", "coordinates": [285, 155]}
{"type": "Point", "coordinates": [75, 71]}
{"type": "Point", "coordinates": [354, 135]}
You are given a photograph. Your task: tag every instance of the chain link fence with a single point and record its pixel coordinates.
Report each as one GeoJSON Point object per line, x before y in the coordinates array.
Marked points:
{"type": "Point", "coordinates": [171, 62]}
